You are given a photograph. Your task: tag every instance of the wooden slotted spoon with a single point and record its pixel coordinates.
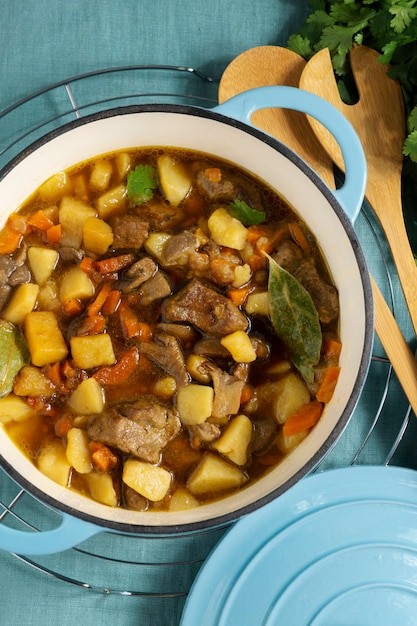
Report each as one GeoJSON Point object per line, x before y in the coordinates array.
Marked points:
{"type": "Point", "coordinates": [273, 65]}
{"type": "Point", "coordinates": [379, 120]}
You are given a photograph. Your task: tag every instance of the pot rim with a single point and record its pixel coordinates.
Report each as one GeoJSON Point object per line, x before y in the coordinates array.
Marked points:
{"type": "Point", "coordinates": [339, 427]}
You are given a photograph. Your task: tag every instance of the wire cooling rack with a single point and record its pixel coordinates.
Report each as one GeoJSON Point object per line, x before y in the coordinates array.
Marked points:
{"type": "Point", "coordinates": [381, 430]}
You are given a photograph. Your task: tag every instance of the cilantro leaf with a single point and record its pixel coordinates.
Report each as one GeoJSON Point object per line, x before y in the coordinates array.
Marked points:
{"type": "Point", "coordinates": [300, 45]}
{"type": "Point", "coordinates": [245, 214]}
{"type": "Point", "coordinates": [404, 14]}
{"type": "Point", "coordinates": [410, 146]}
{"type": "Point", "coordinates": [141, 183]}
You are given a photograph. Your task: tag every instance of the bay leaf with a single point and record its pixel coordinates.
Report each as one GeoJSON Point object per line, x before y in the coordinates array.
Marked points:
{"type": "Point", "coordinates": [295, 319]}
{"type": "Point", "coordinates": [14, 354]}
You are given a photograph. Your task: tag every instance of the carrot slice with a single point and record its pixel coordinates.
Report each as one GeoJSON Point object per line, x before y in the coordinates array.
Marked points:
{"type": "Point", "coordinates": [121, 371]}
{"type": "Point", "coordinates": [87, 265]}
{"type": "Point", "coordinates": [92, 325]}
{"type": "Point", "coordinates": [54, 234]}
{"type": "Point", "coordinates": [103, 458]}
{"type": "Point", "coordinates": [214, 174]}
{"type": "Point", "coordinates": [94, 308]}
{"type": "Point", "coordinates": [299, 237]}
{"type": "Point", "coordinates": [40, 221]}
{"type": "Point", "coordinates": [72, 306]}
{"type": "Point", "coordinates": [328, 383]}
{"type": "Point", "coordinates": [247, 394]}
{"type": "Point", "coordinates": [132, 326]}
{"type": "Point", "coordinates": [63, 425]}
{"type": "Point", "coordinates": [223, 271]}
{"type": "Point", "coordinates": [9, 240]}
{"type": "Point", "coordinates": [114, 263]}
{"type": "Point", "coordinates": [112, 302]}
{"type": "Point", "coordinates": [238, 296]}
{"type": "Point", "coordinates": [306, 417]}
{"type": "Point", "coordinates": [331, 350]}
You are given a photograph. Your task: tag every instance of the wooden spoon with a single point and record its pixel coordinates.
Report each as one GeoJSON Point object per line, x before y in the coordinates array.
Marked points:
{"type": "Point", "coordinates": [272, 65]}
{"type": "Point", "coordinates": [379, 120]}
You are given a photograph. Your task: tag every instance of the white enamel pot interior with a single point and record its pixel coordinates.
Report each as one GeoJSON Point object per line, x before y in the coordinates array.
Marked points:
{"type": "Point", "coordinates": [215, 132]}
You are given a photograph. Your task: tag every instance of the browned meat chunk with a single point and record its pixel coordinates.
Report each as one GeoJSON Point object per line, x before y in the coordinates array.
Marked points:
{"type": "Point", "coordinates": [324, 296]}
{"type": "Point", "coordinates": [139, 272]}
{"type": "Point", "coordinates": [227, 391]}
{"type": "Point", "coordinates": [179, 247]}
{"type": "Point", "coordinates": [184, 332]}
{"type": "Point", "coordinates": [4, 295]}
{"type": "Point", "coordinates": [155, 288]}
{"type": "Point", "coordinates": [205, 432]}
{"type": "Point", "coordinates": [288, 256]}
{"type": "Point", "coordinates": [69, 254]}
{"type": "Point", "coordinates": [143, 430]}
{"type": "Point", "coordinates": [207, 309]}
{"type": "Point", "coordinates": [134, 500]}
{"type": "Point", "coordinates": [129, 231]}
{"type": "Point", "coordinates": [222, 191]}
{"type": "Point", "coordinates": [211, 347]}
{"type": "Point", "coordinates": [264, 434]}
{"type": "Point", "coordinates": [160, 215]}
{"type": "Point", "coordinates": [166, 352]}
{"type": "Point", "coordinates": [227, 189]}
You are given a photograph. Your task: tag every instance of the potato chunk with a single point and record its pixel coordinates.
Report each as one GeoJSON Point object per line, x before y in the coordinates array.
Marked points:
{"type": "Point", "coordinates": [72, 215]}
{"type": "Point", "coordinates": [22, 302]}
{"type": "Point", "coordinates": [112, 202]}
{"type": "Point", "coordinates": [97, 235]}
{"type": "Point", "coordinates": [52, 461]}
{"type": "Point", "coordinates": [227, 230]}
{"type": "Point", "coordinates": [75, 284]}
{"type": "Point", "coordinates": [283, 397]}
{"type": "Point", "coordinates": [44, 337]}
{"type": "Point", "coordinates": [214, 474]}
{"type": "Point", "coordinates": [292, 394]}
{"type": "Point", "coordinates": [235, 440]}
{"type": "Point", "coordinates": [174, 178]}
{"type": "Point", "coordinates": [78, 452]}
{"type": "Point", "coordinates": [149, 480]}
{"type": "Point", "coordinates": [286, 444]}
{"type": "Point", "coordinates": [182, 500]}
{"type": "Point", "coordinates": [101, 488]}
{"type": "Point", "coordinates": [258, 303]}
{"type": "Point", "coordinates": [14, 409]}
{"type": "Point", "coordinates": [92, 351]}
{"type": "Point", "coordinates": [155, 244]}
{"type": "Point", "coordinates": [195, 403]}
{"type": "Point", "coordinates": [31, 381]}
{"type": "Point", "coordinates": [239, 346]}
{"type": "Point", "coordinates": [55, 187]}
{"type": "Point", "coordinates": [101, 174]}
{"type": "Point", "coordinates": [87, 398]}
{"type": "Point", "coordinates": [42, 262]}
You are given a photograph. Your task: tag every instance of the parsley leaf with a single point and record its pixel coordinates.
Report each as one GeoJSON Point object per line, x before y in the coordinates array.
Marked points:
{"type": "Point", "coordinates": [245, 214]}
{"type": "Point", "coordinates": [141, 183]}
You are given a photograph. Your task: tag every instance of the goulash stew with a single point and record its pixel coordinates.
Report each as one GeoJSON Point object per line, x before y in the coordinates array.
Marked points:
{"type": "Point", "coordinates": [168, 331]}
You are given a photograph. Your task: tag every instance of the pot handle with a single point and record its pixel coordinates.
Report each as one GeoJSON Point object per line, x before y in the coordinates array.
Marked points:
{"type": "Point", "coordinates": [68, 534]}
{"type": "Point", "coordinates": [242, 106]}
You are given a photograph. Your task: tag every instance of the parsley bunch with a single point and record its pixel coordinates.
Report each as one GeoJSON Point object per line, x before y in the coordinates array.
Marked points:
{"type": "Point", "coordinates": [389, 26]}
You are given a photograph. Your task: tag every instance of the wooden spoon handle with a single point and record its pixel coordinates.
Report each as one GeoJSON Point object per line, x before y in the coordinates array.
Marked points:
{"type": "Point", "coordinates": [397, 237]}
{"type": "Point", "coordinates": [395, 346]}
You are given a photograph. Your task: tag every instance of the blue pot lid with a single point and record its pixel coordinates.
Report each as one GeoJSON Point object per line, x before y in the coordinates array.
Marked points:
{"type": "Point", "coordinates": [340, 547]}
